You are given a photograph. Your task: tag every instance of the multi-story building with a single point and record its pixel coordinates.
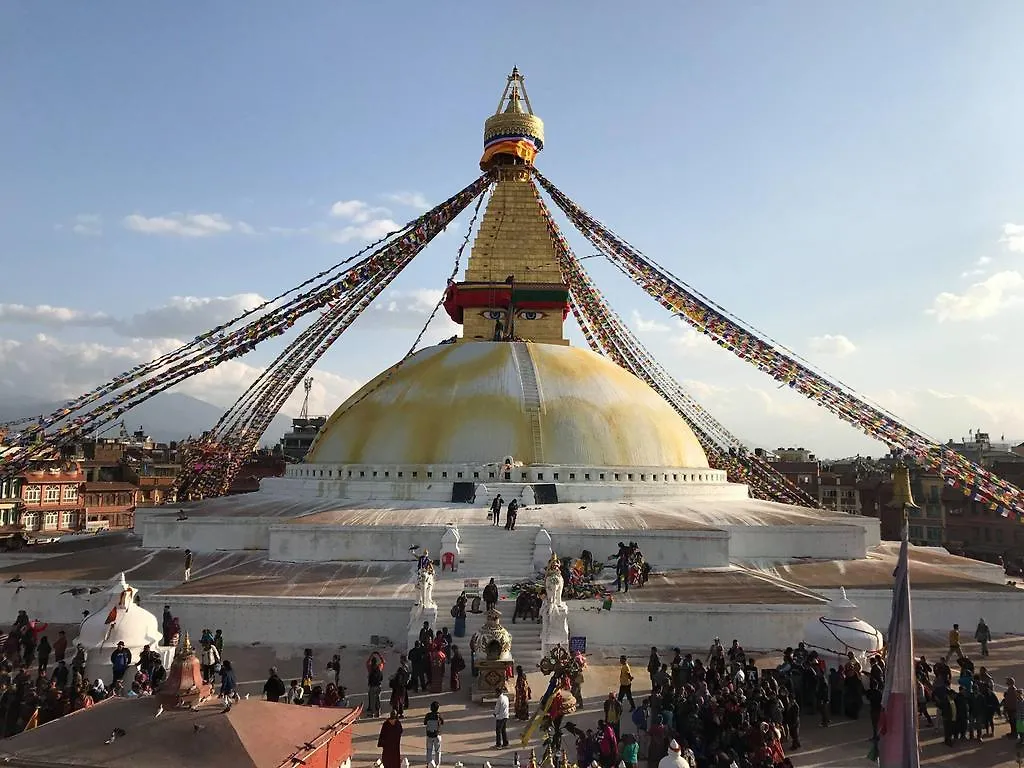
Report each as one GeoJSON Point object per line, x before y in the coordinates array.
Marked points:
{"type": "Point", "coordinates": [838, 491]}
{"type": "Point", "coordinates": [12, 508]}
{"type": "Point", "coordinates": [798, 455]}
{"type": "Point", "coordinates": [109, 505]}
{"type": "Point", "coordinates": [927, 523]}
{"type": "Point", "coordinates": [153, 471]}
{"type": "Point", "coordinates": [981, 449]}
{"type": "Point", "coordinates": [296, 444]}
{"type": "Point", "coordinates": [975, 530]}
{"type": "Point", "coordinates": [52, 498]}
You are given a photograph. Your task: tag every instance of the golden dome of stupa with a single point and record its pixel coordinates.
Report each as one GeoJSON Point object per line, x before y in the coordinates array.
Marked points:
{"type": "Point", "coordinates": [511, 385]}
{"type": "Point", "coordinates": [477, 402]}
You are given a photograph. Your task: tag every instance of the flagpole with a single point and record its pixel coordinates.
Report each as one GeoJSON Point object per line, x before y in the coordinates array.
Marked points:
{"type": "Point", "coordinates": [898, 743]}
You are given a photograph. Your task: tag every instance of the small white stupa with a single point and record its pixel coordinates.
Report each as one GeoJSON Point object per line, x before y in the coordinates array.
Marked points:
{"type": "Point", "coordinates": [120, 620]}
{"type": "Point", "coordinates": [840, 631]}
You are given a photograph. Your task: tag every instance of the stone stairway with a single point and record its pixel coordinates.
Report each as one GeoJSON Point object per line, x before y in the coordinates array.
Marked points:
{"type": "Point", "coordinates": [532, 404]}
{"type": "Point", "coordinates": [488, 551]}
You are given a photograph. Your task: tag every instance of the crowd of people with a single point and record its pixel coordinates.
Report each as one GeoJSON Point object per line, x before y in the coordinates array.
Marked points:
{"type": "Point", "coordinates": [33, 692]}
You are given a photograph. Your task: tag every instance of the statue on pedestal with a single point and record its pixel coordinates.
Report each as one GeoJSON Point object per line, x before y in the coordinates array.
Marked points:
{"type": "Point", "coordinates": [425, 585]}
{"type": "Point", "coordinates": [554, 612]}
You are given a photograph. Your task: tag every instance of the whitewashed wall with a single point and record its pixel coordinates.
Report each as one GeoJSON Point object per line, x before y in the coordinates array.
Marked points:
{"type": "Point", "coordinates": [43, 600]}
{"type": "Point", "coordinates": [938, 610]}
{"type": "Point", "coordinates": [782, 542]}
{"type": "Point", "coordinates": [320, 543]}
{"type": "Point", "coordinates": [634, 625]}
{"type": "Point", "coordinates": [293, 620]}
{"type": "Point", "coordinates": [665, 550]}
{"type": "Point", "coordinates": [207, 535]}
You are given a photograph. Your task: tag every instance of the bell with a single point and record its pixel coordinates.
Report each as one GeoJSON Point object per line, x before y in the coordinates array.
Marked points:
{"type": "Point", "coordinates": [902, 496]}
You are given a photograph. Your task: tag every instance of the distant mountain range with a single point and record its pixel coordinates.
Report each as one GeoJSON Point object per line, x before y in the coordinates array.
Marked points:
{"type": "Point", "coordinates": [167, 416]}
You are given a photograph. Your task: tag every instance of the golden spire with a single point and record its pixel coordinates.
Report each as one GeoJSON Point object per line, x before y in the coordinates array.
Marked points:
{"type": "Point", "coordinates": [513, 287]}
{"type": "Point", "coordinates": [512, 135]}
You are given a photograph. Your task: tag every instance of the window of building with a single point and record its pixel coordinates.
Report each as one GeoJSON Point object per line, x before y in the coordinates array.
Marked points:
{"type": "Point", "coordinates": [586, 475]}
{"type": "Point", "coordinates": [67, 519]}
{"type": "Point", "coordinates": [52, 493]}
{"type": "Point", "coordinates": [572, 475]}
{"type": "Point", "coordinates": [915, 532]}
{"type": "Point", "coordinates": [476, 476]}
{"type": "Point", "coordinates": [50, 521]}
{"type": "Point", "coordinates": [31, 519]}
{"type": "Point", "coordinates": [934, 534]}
{"type": "Point", "coordinates": [458, 475]}
{"type": "Point", "coordinates": [540, 475]}
{"type": "Point", "coordinates": [70, 493]}
{"type": "Point", "coordinates": [32, 493]}
{"type": "Point", "coordinates": [601, 475]}
{"type": "Point", "coordinates": [444, 475]}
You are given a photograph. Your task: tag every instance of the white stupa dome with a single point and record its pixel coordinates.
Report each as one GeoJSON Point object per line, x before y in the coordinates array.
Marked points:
{"type": "Point", "coordinates": [120, 620]}
{"type": "Point", "coordinates": [839, 631]}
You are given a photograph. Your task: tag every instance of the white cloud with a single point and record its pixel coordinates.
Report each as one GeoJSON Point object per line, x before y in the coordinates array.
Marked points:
{"type": "Point", "coordinates": [357, 211]}
{"type": "Point", "coordinates": [832, 345]}
{"type": "Point", "coordinates": [181, 316]}
{"type": "Point", "coordinates": [44, 314]}
{"type": "Point", "coordinates": [184, 224]}
{"type": "Point", "coordinates": [981, 300]}
{"type": "Point", "coordinates": [371, 230]}
{"type": "Point", "coordinates": [414, 200]}
{"type": "Point", "coordinates": [644, 325]}
{"type": "Point", "coordinates": [51, 369]}
{"type": "Point", "coordinates": [984, 261]}
{"type": "Point", "coordinates": [1013, 236]}
{"type": "Point", "coordinates": [87, 224]}
{"type": "Point", "coordinates": [409, 310]}
{"type": "Point", "coordinates": [366, 222]}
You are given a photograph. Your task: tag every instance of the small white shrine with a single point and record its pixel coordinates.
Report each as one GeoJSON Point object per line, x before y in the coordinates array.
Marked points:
{"type": "Point", "coordinates": [120, 620]}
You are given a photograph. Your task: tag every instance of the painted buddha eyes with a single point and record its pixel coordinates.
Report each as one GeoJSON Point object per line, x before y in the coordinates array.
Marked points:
{"type": "Point", "coordinates": [523, 314]}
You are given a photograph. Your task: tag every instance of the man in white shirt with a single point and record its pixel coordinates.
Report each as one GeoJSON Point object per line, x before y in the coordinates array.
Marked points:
{"type": "Point", "coordinates": [501, 720]}
{"type": "Point", "coordinates": [674, 758]}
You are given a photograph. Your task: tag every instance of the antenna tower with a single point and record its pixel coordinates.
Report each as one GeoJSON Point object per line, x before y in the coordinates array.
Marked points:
{"type": "Point", "coordinates": [307, 385]}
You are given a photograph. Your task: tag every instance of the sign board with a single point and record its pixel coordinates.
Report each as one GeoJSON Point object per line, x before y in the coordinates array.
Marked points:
{"type": "Point", "coordinates": [578, 644]}
{"type": "Point", "coordinates": [471, 584]}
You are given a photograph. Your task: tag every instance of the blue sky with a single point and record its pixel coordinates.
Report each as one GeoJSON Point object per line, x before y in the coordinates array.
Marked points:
{"type": "Point", "coordinates": [822, 170]}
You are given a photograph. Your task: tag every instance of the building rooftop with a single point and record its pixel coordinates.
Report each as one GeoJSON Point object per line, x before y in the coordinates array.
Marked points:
{"type": "Point", "coordinates": [254, 734]}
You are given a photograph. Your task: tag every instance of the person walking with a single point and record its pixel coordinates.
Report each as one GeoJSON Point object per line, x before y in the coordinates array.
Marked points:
{"type": "Point", "coordinates": [374, 681]}
{"type": "Point", "coordinates": [511, 514]}
{"type": "Point", "coordinates": [625, 683]}
{"type": "Point", "coordinates": [229, 684]}
{"type": "Point", "coordinates": [496, 510]}
{"type": "Point", "coordinates": [501, 719]}
{"type": "Point", "coordinates": [390, 741]}
{"type": "Point", "coordinates": [982, 634]}
{"type": "Point", "coordinates": [491, 594]}
{"type": "Point", "coordinates": [432, 724]}
{"type": "Point", "coordinates": [954, 642]}
{"type": "Point", "coordinates": [188, 564]}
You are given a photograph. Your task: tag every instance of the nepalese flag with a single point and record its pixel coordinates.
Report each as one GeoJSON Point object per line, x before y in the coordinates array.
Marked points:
{"type": "Point", "coordinates": [898, 745]}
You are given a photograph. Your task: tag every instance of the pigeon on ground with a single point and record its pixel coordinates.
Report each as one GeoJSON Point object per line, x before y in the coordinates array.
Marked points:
{"type": "Point", "coordinates": [196, 727]}
{"type": "Point", "coordinates": [75, 591]}
{"type": "Point", "coordinates": [20, 587]}
{"type": "Point", "coordinates": [14, 580]}
{"type": "Point", "coordinates": [160, 711]}
{"type": "Point", "coordinates": [247, 697]}
{"type": "Point", "coordinates": [414, 547]}
{"type": "Point", "coordinates": [115, 734]}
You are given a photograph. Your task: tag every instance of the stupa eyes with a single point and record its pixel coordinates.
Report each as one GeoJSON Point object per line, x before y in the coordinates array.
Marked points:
{"type": "Point", "coordinates": [531, 314]}
{"type": "Point", "coordinates": [493, 314]}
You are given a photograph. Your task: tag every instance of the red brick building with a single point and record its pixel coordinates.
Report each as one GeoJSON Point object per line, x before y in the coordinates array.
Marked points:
{"type": "Point", "coordinates": [53, 499]}
{"type": "Point", "coordinates": [109, 505]}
